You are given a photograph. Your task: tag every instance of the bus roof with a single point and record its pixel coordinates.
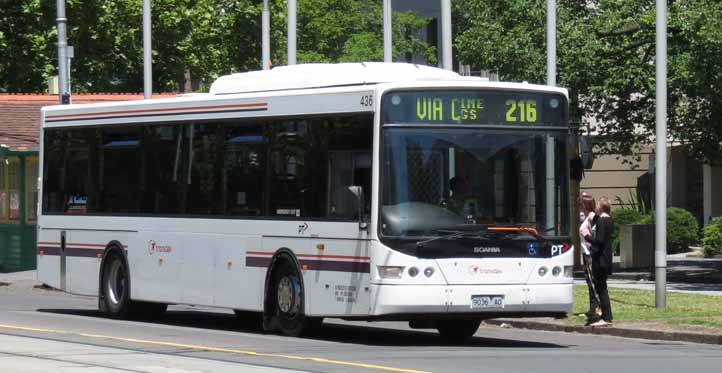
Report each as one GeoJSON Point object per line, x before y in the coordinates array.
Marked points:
{"type": "Point", "coordinates": [323, 75]}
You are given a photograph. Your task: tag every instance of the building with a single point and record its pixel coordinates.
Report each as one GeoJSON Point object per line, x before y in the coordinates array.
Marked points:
{"type": "Point", "coordinates": [19, 142]}
{"type": "Point", "coordinates": [690, 184]}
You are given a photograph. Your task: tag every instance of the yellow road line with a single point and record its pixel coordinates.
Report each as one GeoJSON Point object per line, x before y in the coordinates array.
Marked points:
{"type": "Point", "coordinates": [215, 349]}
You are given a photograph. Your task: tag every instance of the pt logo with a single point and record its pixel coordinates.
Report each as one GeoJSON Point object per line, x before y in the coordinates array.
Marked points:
{"type": "Point", "coordinates": [151, 247]}
{"type": "Point", "coordinates": [302, 228]}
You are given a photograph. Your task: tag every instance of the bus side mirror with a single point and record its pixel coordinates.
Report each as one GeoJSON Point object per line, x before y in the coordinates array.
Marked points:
{"type": "Point", "coordinates": [358, 192]}
{"type": "Point", "coordinates": [587, 152]}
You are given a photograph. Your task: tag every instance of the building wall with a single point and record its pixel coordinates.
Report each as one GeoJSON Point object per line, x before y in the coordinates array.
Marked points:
{"type": "Point", "coordinates": [616, 179]}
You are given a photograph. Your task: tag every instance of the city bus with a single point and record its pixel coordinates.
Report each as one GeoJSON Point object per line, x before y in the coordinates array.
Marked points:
{"type": "Point", "coordinates": [360, 191]}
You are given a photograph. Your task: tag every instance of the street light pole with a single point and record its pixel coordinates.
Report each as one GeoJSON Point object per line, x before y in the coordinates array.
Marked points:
{"type": "Point", "coordinates": [551, 42]}
{"type": "Point", "coordinates": [291, 32]}
{"type": "Point", "coordinates": [447, 60]}
{"type": "Point", "coordinates": [660, 251]}
{"type": "Point", "coordinates": [147, 61]}
{"type": "Point", "coordinates": [265, 36]}
{"type": "Point", "coordinates": [550, 201]}
{"type": "Point", "coordinates": [388, 32]}
{"type": "Point", "coordinates": [62, 53]}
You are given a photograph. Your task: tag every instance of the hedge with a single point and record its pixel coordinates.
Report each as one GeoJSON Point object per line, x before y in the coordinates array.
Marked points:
{"type": "Point", "coordinates": [712, 237]}
{"type": "Point", "coordinates": [682, 229]}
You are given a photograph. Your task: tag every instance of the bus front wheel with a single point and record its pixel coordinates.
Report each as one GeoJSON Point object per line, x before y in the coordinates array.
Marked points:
{"type": "Point", "coordinates": [287, 301]}
{"type": "Point", "coordinates": [457, 329]}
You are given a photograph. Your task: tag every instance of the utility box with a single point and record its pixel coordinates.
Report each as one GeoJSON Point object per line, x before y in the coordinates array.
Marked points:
{"type": "Point", "coordinates": [636, 246]}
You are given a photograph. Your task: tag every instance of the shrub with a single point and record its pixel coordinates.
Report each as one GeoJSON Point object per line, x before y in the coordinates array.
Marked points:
{"type": "Point", "coordinates": [682, 229]}
{"type": "Point", "coordinates": [712, 237]}
{"type": "Point", "coordinates": [623, 216]}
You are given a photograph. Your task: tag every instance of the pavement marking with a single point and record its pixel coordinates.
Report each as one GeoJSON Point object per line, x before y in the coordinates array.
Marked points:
{"type": "Point", "coordinates": [216, 349]}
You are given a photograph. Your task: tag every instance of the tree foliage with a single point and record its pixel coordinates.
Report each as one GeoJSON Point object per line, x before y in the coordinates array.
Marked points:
{"type": "Point", "coordinates": [606, 56]}
{"type": "Point", "coordinates": [193, 40]}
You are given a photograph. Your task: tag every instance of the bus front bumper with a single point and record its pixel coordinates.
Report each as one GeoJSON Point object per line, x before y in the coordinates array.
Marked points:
{"type": "Point", "coordinates": [518, 300]}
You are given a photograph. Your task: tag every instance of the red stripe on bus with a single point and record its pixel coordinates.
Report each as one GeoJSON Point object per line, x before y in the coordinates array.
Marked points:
{"type": "Point", "coordinates": [259, 104]}
{"type": "Point", "coordinates": [322, 256]}
{"type": "Point", "coordinates": [76, 244]}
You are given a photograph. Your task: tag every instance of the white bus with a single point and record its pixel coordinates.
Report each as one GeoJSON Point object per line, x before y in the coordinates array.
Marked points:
{"type": "Point", "coordinates": [363, 191]}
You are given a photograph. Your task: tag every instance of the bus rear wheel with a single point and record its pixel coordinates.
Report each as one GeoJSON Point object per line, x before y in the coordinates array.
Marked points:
{"type": "Point", "coordinates": [287, 299]}
{"type": "Point", "coordinates": [114, 286]}
{"type": "Point", "coordinates": [457, 330]}
{"type": "Point", "coordinates": [115, 289]}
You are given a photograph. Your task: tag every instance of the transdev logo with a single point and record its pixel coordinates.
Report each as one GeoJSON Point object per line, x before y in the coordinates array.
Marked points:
{"type": "Point", "coordinates": [153, 248]}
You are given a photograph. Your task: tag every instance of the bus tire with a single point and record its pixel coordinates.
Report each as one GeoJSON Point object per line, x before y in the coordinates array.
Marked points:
{"type": "Point", "coordinates": [114, 285]}
{"type": "Point", "coordinates": [287, 300]}
{"type": "Point", "coordinates": [457, 330]}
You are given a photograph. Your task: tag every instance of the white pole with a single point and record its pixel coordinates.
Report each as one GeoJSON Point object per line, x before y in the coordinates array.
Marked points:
{"type": "Point", "coordinates": [447, 61]}
{"type": "Point", "coordinates": [660, 251]}
{"type": "Point", "coordinates": [62, 52]}
{"type": "Point", "coordinates": [550, 205]}
{"type": "Point", "coordinates": [291, 32]}
{"type": "Point", "coordinates": [147, 59]}
{"type": "Point", "coordinates": [265, 36]}
{"type": "Point", "coordinates": [551, 42]}
{"type": "Point", "coordinates": [388, 32]}
{"type": "Point", "coordinates": [552, 81]}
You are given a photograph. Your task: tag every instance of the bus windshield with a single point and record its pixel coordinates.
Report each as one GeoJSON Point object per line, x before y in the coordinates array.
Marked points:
{"type": "Point", "coordinates": [438, 179]}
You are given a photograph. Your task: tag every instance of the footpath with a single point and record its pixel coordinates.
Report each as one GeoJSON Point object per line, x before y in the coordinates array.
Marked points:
{"type": "Point", "coordinates": [686, 273]}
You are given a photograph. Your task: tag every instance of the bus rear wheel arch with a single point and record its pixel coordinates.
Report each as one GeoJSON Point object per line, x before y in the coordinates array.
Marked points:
{"type": "Point", "coordinates": [114, 293]}
{"type": "Point", "coordinates": [285, 297]}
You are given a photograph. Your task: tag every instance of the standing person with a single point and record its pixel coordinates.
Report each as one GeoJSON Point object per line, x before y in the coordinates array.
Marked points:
{"type": "Point", "coordinates": [586, 216]}
{"type": "Point", "coordinates": [601, 251]}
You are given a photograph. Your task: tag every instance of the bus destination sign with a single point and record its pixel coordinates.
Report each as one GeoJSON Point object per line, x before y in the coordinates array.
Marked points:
{"type": "Point", "coordinates": [474, 107]}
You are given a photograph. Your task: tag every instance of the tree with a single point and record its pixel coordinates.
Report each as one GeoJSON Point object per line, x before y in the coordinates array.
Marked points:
{"type": "Point", "coordinates": [606, 56]}
{"type": "Point", "coordinates": [346, 31]}
{"type": "Point", "coordinates": [194, 41]}
{"type": "Point", "coordinates": [26, 46]}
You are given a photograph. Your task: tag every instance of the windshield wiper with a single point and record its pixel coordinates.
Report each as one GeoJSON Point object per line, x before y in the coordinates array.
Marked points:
{"type": "Point", "coordinates": [451, 235]}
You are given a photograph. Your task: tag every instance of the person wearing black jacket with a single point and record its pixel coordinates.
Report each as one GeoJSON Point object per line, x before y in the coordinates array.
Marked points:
{"type": "Point", "coordinates": [601, 250]}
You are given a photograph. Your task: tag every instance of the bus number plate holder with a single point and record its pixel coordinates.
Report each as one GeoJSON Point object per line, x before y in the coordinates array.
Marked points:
{"type": "Point", "coordinates": [487, 301]}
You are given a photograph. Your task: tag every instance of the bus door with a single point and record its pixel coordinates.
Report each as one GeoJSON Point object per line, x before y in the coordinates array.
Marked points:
{"type": "Point", "coordinates": [339, 286]}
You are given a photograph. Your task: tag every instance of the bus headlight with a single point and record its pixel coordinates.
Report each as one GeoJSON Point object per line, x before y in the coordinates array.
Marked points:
{"type": "Point", "coordinates": [556, 271]}
{"type": "Point", "coordinates": [413, 271]}
{"type": "Point", "coordinates": [543, 271]}
{"type": "Point", "coordinates": [390, 271]}
{"type": "Point", "coordinates": [569, 271]}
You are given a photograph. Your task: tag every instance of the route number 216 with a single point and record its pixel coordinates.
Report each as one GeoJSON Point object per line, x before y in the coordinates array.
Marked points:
{"type": "Point", "coordinates": [521, 111]}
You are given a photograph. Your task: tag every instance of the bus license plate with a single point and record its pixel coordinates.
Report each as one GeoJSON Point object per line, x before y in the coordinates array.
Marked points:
{"type": "Point", "coordinates": [487, 301]}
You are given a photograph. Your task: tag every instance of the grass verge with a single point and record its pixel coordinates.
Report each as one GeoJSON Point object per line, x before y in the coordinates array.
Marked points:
{"type": "Point", "coordinates": [683, 309]}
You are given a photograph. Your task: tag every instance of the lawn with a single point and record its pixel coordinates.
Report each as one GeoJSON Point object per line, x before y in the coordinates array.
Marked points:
{"type": "Point", "coordinates": [639, 305]}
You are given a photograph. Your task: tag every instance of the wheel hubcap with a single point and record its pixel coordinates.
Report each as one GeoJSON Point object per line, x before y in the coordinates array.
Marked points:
{"type": "Point", "coordinates": [288, 295]}
{"type": "Point", "coordinates": [116, 282]}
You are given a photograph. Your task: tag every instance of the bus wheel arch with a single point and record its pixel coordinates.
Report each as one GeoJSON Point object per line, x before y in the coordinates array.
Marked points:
{"type": "Point", "coordinates": [285, 296]}
{"type": "Point", "coordinates": [121, 305]}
